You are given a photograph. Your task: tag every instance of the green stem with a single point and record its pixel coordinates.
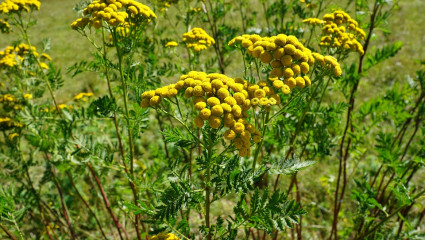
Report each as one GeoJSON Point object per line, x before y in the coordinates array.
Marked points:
{"type": "Point", "coordinates": [208, 191]}
{"type": "Point", "coordinates": [24, 32]}
{"type": "Point", "coordinates": [129, 131]}
{"type": "Point", "coordinates": [125, 98]}
{"type": "Point", "coordinates": [260, 144]}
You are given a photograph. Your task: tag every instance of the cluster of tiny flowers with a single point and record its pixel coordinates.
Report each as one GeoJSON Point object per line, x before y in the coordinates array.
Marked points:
{"type": "Point", "coordinates": [340, 31]}
{"type": "Point", "coordinates": [220, 101]}
{"type": "Point", "coordinates": [165, 236]}
{"type": "Point", "coordinates": [329, 62]}
{"type": "Point", "coordinates": [10, 104]}
{"type": "Point", "coordinates": [7, 123]}
{"type": "Point", "coordinates": [14, 6]}
{"type": "Point", "coordinates": [171, 44]}
{"type": "Point", "coordinates": [13, 56]}
{"type": "Point", "coordinates": [7, 98]}
{"type": "Point", "coordinates": [114, 12]}
{"type": "Point", "coordinates": [60, 106]}
{"type": "Point", "coordinates": [82, 96]}
{"type": "Point", "coordinates": [4, 27]}
{"type": "Point", "coordinates": [197, 39]}
{"type": "Point", "coordinates": [195, 10]}
{"type": "Point", "coordinates": [288, 58]}
{"type": "Point", "coordinates": [122, 31]}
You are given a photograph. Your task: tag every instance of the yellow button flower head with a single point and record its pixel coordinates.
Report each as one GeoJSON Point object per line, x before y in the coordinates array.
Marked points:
{"type": "Point", "coordinates": [171, 44]}
{"type": "Point", "coordinates": [114, 13]}
{"type": "Point", "coordinates": [197, 39]}
{"type": "Point", "coordinates": [165, 236]}
{"type": "Point", "coordinates": [82, 96]}
{"type": "Point", "coordinates": [14, 6]}
{"type": "Point", "coordinates": [13, 135]}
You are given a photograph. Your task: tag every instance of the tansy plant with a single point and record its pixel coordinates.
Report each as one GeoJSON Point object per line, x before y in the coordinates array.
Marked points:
{"type": "Point", "coordinates": [201, 119]}
{"type": "Point", "coordinates": [223, 116]}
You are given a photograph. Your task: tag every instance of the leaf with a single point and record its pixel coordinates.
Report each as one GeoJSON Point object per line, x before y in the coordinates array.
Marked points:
{"type": "Point", "coordinates": [103, 106]}
{"type": "Point", "coordinates": [382, 55]}
{"type": "Point", "coordinates": [174, 135]}
{"type": "Point", "coordinates": [289, 166]}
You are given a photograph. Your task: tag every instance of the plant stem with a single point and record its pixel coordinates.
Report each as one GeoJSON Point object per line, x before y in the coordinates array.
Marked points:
{"type": "Point", "coordinates": [64, 209]}
{"type": "Point", "coordinates": [24, 32]}
{"type": "Point", "coordinates": [107, 205]}
{"type": "Point", "coordinates": [86, 204]}
{"type": "Point", "coordinates": [208, 189]}
{"type": "Point", "coordinates": [343, 155]}
{"type": "Point", "coordinates": [8, 233]}
{"type": "Point", "coordinates": [129, 131]}
{"type": "Point", "coordinates": [260, 144]}
{"type": "Point", "coordinates": [213, 26]}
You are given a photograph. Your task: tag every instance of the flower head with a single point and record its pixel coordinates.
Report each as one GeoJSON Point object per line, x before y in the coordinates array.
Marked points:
{"type": "Point", "coordinates": [221, 102]}
{"type": "Point", "coordinates": [171, 44]}
{"type": "Point", "coordinates": [197, 39]}
{"type": "Point", "coordinates": [165, 236]}
{"type": "Point", "coordinates": [339, 30]}
{"type": "Point", "coordinates": [14, 6]}
{"type": "Point", "coordinates": [114, 13]}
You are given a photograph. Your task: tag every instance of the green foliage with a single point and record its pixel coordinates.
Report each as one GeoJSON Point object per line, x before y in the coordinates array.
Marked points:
{"type": "Point", "coordinates": [340, 159]}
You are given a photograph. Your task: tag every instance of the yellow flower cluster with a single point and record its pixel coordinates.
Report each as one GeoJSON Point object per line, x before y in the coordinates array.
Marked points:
{"type": "Point", "coordinates": [8, 58]}
{"type": "Point", "coordinates": [13, 56]}
{"type": "Point", "coordinates": [60, 106]}
{"type": "Point", "coordinates": [171, 44]}
{"type": "Point", "coordinates": [4, 26]}
{"type": "Point", "coordinates": [340, 31]}
{"type": "Point", "coordinates": [165, 236]}
{"type": "Point", "coordinates": [10, 102]}
{"type": "Point", "coordinates": [197, 39]}
{"type": "Point", "coordinates": [195, 10]}
{"type": "Point", "coordinates": [13, 135]}
{"type": "Point", "coordinates": [288, 58]}
{"type": "Point", "coordinates": [7, 123]}
{"type": "Point", "coordinates": [329, 62]}
{"type": "Point", "coordinates": [114, 12]}
{"type": "Point", "coordinates": [13, 6]}
{"type": "Point", "coordinates": [8, 98]}
{"type": "Point", "coordinates": [82, 96]}
{"type": "Point", "coordinates": [220, 101]}
{"type": "Point", "coordinates": [28, 96]}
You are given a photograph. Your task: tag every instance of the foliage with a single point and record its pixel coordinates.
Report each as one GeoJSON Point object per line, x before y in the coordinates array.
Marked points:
{"type": "Point", "coordinates": [245, 119]}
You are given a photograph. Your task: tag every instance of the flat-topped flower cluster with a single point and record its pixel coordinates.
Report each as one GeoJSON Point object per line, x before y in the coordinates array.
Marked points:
{"type": "Point", "coordinates": [198, 39]}
{"type": "Point", "coordinates": [13, 56]}
{"type": "Point", "coordinates": [113, 12]}
{"type": "Point", "coordinates": [339, 31]}
{"type": "Point", "coordinates": [221, 101]}
{"type": "Point", "coordinates": [14, 6]}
